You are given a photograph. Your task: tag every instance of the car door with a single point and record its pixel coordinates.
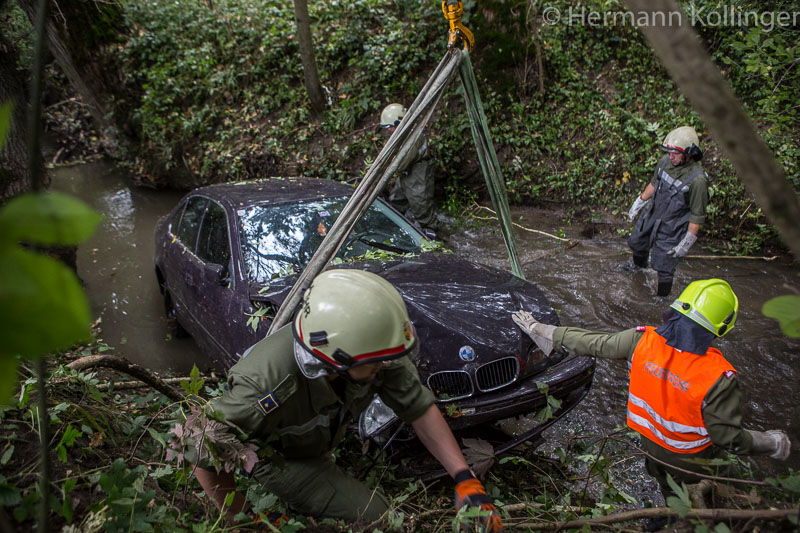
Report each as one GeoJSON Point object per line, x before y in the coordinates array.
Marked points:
{"type": "Point", "coordinates": [178, 255]}
{"type": "Point", "coordinates": [217, 308]}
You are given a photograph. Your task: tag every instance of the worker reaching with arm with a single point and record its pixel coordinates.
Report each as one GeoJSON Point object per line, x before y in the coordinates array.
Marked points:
{"type": "Point", "coordinates": [683, 397]}
{"type": "Point", "coordinates": [351, 338]}
{"type": "Point", "coordinates": [674, 205]}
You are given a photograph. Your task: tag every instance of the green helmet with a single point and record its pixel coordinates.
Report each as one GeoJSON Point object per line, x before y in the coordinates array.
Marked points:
{"type": "Point", "coordinates": [711, 303]}
{"type": "Point", "coordinates": [352, 317]}
{"type": "Point", "coordinates": [680, 140]}
{"type": "Point", "coordinates": [392, 114]}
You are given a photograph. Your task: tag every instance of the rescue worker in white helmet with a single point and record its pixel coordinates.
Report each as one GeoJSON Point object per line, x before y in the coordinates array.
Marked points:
{"type": "Point", "coordinates": [683, 397]}
{"type": "Point", "coordinates": [298, 389]}
{"type": "Point", "coordinates": [673, 208]}
{"type": "Point", "coordinates": [413, 190]}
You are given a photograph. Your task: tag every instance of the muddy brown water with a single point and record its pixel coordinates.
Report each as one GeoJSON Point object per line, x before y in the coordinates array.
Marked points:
{"type": "Point", "coordinates": [584, 283]}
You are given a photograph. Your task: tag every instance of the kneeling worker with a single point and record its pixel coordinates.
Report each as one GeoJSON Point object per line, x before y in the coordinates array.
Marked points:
{"type": "Point", "coordinates": [683, 397]}
{"type": "Point", "coordinates": [302, 385]}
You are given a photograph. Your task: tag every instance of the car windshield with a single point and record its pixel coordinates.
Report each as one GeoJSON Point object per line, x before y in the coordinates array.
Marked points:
{"type": "Point", "coordinates": [277, 239]}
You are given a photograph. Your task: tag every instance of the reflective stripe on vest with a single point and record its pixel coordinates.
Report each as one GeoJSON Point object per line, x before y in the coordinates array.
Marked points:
{"type": "Point", "coordinates": [695, 437]}
{"type": "Point", "coordinates": [677, 185]}
{"type": "Point", "coordinates": [667, 390]}
{"type": "Point", "coordinates": [317, 421]}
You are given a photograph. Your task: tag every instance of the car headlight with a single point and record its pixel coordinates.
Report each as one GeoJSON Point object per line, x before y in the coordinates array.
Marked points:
{"type": "Point", "coordinates": [375, 418]}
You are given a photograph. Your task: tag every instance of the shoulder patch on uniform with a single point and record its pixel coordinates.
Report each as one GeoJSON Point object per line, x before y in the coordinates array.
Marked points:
{"type": "Point", "coordinates": [729, 373]}
{"type": "Point", "coordinates": [268, 403]}
{"type": "Point", "coordinates": [277, 396]}
{"type": "Point", "coordinates": [641, 328]}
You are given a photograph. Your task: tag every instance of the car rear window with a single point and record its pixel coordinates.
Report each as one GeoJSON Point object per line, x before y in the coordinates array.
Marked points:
{"type": "Point", "coordinates": [277, 239]}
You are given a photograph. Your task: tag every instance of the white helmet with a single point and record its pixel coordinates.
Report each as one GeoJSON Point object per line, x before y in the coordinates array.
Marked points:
{"type": "Point", "coordinates": [352, 317]}
{"type": "Point", "coordinates": [683, 140]}
{"type": "Point", "coordinates": [392, 114]}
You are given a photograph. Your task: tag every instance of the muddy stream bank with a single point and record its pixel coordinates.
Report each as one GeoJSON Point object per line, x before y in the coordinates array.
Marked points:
{"type": "Point", "coordinates": [584, 282]}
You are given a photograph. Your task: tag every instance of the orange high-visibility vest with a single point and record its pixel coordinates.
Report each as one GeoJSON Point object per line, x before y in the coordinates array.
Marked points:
{"type": "Point", "coordinates": [665, 397]}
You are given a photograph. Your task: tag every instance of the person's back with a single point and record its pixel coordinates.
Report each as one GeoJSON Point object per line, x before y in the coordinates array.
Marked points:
{"type": "Point", "coordinates": [684, 397]}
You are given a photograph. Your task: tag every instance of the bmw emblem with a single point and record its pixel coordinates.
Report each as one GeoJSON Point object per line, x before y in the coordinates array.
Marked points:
{"type": "Point", "coordinates": [466, 353]}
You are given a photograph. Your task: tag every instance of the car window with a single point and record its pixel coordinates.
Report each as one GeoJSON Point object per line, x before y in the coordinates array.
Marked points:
{"type": "Point", "coordinates": [277, 238]}
{"type": "Point", "coordinates": [212, 241]}
{"type": "Point", "coordinates": [190, 221]}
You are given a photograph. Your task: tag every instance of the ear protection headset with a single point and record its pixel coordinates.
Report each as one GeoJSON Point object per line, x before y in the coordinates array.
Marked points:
{"type": "Point", "coordinates": [694, 152]}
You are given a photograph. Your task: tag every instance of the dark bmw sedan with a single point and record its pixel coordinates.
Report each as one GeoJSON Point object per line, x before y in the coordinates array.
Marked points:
{"type": "Point", "coordinates": [227, 256]}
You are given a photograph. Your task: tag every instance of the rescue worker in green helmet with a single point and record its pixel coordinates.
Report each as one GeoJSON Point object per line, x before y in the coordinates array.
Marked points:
{"type": "Point", "coordinates": [413, 190]}
{"type": "Point", "coordinates": [674, 207]}
{"type": "Point", "coordinates": [683, 397]}
{"type": "Point", "coordinates": [298, 389]}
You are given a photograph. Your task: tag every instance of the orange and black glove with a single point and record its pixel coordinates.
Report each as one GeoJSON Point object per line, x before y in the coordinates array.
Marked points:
{"type": "Point", "coordinates": [273, 518]}
{"type": "Point", "coordinates": [470, 492]}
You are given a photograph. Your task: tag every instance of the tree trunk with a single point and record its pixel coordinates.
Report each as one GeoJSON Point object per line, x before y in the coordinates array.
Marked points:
{"type": "Point", "coordinates": [74, 31]}
{"type": "Point", "coordinates": [310, 75]}
{"type": "Point", "coordinates": [682, 54]}
{"type": "Point", "coordinates": [14, 177]}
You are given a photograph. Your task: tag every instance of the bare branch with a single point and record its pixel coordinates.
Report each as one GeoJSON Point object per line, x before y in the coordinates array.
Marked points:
{"type": "Point", "coordinates": [123, 365]}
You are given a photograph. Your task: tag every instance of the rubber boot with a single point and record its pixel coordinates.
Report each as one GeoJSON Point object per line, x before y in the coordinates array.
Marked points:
{"type": "Point", "coordinates": [640, 259]}
{"type": "Point", "coordinates": [664, 288]}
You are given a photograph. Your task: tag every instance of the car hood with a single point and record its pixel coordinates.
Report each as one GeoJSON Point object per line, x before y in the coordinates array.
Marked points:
{"type": "Point", "coordinates": [451, 300]}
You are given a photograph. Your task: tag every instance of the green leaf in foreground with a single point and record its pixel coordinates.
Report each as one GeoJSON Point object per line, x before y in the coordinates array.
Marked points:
{"type": "Point", "coordinates": [786, 309]}
{"type": "Point", "coordinates": [48, 218]}
{"type": "Point", "coordinates": [43, 308]}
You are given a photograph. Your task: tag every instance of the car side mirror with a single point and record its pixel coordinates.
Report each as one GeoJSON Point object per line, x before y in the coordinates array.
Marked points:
{"type": "Point", "coordinates": [215, 273]}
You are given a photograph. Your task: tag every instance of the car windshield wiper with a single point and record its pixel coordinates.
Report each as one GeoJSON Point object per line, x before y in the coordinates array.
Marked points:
{"type": "Point", "coordinates": [384, 246]}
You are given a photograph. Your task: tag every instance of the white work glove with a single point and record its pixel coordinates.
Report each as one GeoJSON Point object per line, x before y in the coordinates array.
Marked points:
{"type": "Point", "coordinates": [637, 206]}
{"type": "Point", "coordinates": [682, 248]}
{"type": "Point", "coordinates": [774, 443]}
{"type": "Point", "coordinates": [542, 334]}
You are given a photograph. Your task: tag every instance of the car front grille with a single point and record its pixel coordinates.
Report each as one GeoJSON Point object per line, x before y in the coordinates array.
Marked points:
{"type": "Point", "coordinates": [497, 374]}
{"type": "Point", "coordinates": [450, 385]}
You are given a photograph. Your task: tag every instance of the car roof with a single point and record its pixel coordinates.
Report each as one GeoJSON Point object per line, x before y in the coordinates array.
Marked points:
{"type": "Point", "coordinates": [273, 191]}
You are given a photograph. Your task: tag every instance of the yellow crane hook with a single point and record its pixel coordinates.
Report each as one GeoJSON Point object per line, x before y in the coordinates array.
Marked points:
{"type": "Point", "coordinates": [453, 9]}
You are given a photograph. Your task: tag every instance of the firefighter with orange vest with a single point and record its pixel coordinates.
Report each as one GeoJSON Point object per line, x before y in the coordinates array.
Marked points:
{"type": "Point", "coordinates": [684, 396]}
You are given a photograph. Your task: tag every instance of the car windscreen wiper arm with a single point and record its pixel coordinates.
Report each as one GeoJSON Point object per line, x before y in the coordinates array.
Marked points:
{"type": "Point", "coordinates": [384, 246]}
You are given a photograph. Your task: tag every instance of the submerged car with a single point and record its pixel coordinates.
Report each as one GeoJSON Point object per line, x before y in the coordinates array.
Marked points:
{"type": "Point", "coordinates": [227, 256]}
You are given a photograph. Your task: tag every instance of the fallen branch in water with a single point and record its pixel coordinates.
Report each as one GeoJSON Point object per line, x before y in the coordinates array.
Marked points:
{"type": "Point", "coordinates": [479, 207]}
{"type": "Point", "coordinates": [717, 515]}
{"type": "Point", "coordinates": [123, 365]}
{"type": "Point", "coordinates": [731, 257]}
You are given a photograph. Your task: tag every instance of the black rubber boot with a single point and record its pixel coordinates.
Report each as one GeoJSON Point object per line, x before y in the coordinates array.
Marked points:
{"type": "Point", "coordinates": [664, 288]}
{"type": "Point", "coordinates": [640, 260]}
{"type": "Point", "coordinates": [657, 524]}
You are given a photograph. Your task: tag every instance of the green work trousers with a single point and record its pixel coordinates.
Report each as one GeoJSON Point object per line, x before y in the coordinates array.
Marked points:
{"type": "Point", "coordinates": [701, 462]}
{"type": "Point", "coordinates": [413, 192]}
{"type": "Point", "coordinates": [317, 487]}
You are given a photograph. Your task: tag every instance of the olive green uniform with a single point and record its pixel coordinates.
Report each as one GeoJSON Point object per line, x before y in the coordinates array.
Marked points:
{"type": "Point", "coordinates": [269, 397]}
{"type": "Point", "coordinates": [413, 189]}
{"type": "Point", "coordinates": [722, 415]}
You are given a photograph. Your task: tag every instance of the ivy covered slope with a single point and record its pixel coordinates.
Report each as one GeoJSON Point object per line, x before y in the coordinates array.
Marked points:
{"type": "Point", "coordinates": [218, 95]}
